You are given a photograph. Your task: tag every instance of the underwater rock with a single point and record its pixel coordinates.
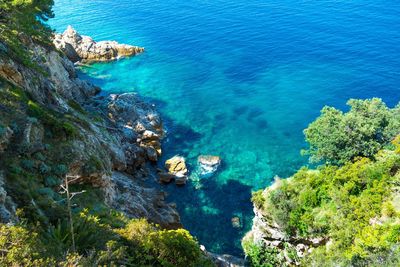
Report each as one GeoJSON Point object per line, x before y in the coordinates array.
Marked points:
{"type": "Point", "coordinates": [83, 48]}
{"type": "Point", "coordinates": [236, 223]}
{"type": "Point", "coordinates": [208, 164]}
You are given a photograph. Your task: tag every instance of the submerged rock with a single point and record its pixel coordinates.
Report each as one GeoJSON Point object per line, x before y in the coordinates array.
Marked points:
{"type": "Point", "coordinates": [83, 48]}
{"type": "Point", "coordinates": [208, 164]}
{"type": "Point", "coordinates": [236, 222]}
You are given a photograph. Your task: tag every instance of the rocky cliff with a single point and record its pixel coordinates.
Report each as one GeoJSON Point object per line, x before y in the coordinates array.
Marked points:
{"type": "Point", "coordinates": [58, 124]}
{"type": "Point", "coordinates": [268, 234]}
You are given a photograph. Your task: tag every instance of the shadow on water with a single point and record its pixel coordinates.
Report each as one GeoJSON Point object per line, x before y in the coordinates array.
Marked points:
{"type": "Point", "coordinates": [206, 206]}
{"type": "Point", "coordinates": [208, 212]}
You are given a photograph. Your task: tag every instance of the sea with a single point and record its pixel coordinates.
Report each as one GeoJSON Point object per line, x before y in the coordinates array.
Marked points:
{"type": "Point", "coordinates": [240, 80]}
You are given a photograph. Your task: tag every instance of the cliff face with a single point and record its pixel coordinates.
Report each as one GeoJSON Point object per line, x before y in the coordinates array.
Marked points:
{"type": "Point", "coordinates": [59, 125]}
{"type": "Point", "coordinates": [267, 233]}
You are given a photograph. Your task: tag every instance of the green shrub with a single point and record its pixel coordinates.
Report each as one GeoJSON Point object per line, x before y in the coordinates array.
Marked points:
{"type": "Point", "coordinates": [336, 137]}
{"type": "Point", "coordinates": [260, 256]}
{"type": "Point", "coordinates": [21, 247]}
{"type": "Point", "coordinates": [258, 199]}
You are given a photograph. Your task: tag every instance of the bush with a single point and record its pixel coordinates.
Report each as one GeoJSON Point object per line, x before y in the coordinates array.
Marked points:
{"type": "Point", "coordinates": [260, 256]}
{"type": "Point", "coordinates": [20, 247]}
{"type": "Point", "coordinates": [337, 137]}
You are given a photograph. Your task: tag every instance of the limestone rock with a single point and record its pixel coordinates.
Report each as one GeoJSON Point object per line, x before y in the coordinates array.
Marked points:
{"type": "Point", "coordinates": [177, 166]}
{"type": "Point", "coordinates": [7, 206]}
{"type": "Point", "coordinates": [127, 194]}
{"type": "Point", "coordinates": [83, 48]}
{"type": "Point", "coordinates": [224, 260]}
{"type": "Point", "coordinates": [111, 153]}
{"type": "Point", "coordinates": [208, 164]}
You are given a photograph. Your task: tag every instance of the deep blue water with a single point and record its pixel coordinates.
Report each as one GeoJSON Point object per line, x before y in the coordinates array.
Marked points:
{"type": "Point", "coordinates": [241, 79]}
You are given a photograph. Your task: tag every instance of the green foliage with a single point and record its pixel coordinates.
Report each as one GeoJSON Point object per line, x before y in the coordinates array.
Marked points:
{"type": "Point", "coordinates": [174, 248]}
{"type": "Point", "coordinates": [59, 126]}
{"type": "Point", "coordinates": [157, 247]}
{"type": "Point", "coordinates": [337, 137]}
{"type": "Point", "coordinates": [353, 205]}
{"type": "Point", "coordinates": [260, 256]}
{"type": "Point", "coordinates": [352, 200]}
{"type": "Point", "coordinates": [92, 165]}
{"type": "Point", "coordinates": [258, 199]}
{"type": "Point", "coordinates": [22, 19]}
{"type": "Point", "coordinates": [20, 247]}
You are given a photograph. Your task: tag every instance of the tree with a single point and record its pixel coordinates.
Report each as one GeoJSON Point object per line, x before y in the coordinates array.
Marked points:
{"type": "Point", "coordinates": [336, 137]}
{"type": "Point", "coordinates": [21, 20]}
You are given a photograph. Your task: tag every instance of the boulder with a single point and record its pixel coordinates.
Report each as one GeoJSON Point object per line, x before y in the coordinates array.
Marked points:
{"type": "Point", "coordinates": [177, 166]}
{"type": "Point", "coordinates": [151, 153]}
{"type": "Point", "coordinates": [83, 48]}
{"type": "Point", "coordinates": [180, 180]}
{"type": "Point", "coordinates": [208, 164]}
{"type": "Point", "coordinates": [166, 177]}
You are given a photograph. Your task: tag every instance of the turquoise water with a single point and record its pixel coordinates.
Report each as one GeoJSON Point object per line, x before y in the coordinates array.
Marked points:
{"type": "Point", "coordinates": [241, 79]}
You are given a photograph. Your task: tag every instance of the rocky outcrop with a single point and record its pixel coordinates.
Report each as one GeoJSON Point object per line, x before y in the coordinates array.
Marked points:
{"type": "Point", "coordinates": [127, 194]}
{"type": "Point", "coordinates": [7, 206]}
{"type": "Point", "coordinates": [208, 164]}
{"type": "Point", "coordinates": [225, 260]}
{"type": "Point", "coordinates": [176, 167]}
{"type": "Point", "coordinates": [83, 48]}
{"type": "Point", "coordinates": [110, 151]}
{"type": "Point", "coordinates": [139, 122]}
{"type": "Point", "coordinates": [265, 232]}
{"type": "Point", "coordinates": [60, 83]}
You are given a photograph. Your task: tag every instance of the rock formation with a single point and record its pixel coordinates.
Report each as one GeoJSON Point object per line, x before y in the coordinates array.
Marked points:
{"type": "Point", "coordinates": [112, 137]}
{"type": "Point", "coordinates": [177, 170]}
{"type": "Point", "coordinates": [208, 164]}
{"type": "Point", "coordinates": [265, 232]}
{"type": "Point", "coordinates": [83, 48]}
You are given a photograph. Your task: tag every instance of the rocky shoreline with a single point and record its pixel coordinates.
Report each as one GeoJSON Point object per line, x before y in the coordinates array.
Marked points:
{"type": "Point", "coordinates": [115, 140]}
{"type": "Point", "coordinates": [121, 142]}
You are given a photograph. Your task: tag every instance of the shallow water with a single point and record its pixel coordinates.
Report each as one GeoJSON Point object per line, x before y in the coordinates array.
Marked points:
{"type": "Point", "coordinates": [241, 79]}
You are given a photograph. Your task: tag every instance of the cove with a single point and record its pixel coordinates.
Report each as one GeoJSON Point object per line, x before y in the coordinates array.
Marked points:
{"type": "Point", "coordinates": [240, 80]}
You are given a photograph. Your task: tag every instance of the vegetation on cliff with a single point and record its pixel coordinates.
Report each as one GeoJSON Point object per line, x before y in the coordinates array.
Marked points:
{"type": "Point", "coordinates": [19, 18]}
{"type": "Point", "coordinates": [352, 207]}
